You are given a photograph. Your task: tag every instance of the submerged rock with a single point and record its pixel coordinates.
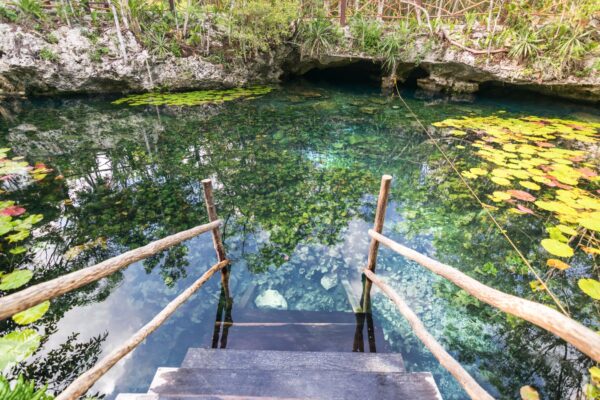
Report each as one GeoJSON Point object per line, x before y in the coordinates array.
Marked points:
{"type": "Point", "coordinates": [271, 299]}
{"type": "Point", "coordinates": [329, 281]}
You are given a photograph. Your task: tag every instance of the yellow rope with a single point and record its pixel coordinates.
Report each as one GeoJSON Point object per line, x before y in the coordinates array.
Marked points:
{"type": "Point", "coordinates": [502, 230]}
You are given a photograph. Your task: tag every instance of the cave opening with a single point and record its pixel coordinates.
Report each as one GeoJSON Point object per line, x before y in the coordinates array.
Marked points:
{"type": "Point", "coordinates": [359, 72]}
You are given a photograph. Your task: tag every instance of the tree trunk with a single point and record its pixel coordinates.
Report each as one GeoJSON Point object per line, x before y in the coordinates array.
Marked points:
{"type": "Point", "coordinates": [119, 36]}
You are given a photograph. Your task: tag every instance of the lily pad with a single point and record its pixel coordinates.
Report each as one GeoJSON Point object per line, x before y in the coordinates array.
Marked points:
{"type": "Point", "coordinates": [557, 248]}
{"type": "Point", "coordinates": [554, 263]}
{"type": "Point", "coordinates": [15, 279]}
{"type": "Point", "coordinates": [17, 346]}
{"type": "Point", "coordinates": [591, 287]}
{"type": "Point", "coordinates": [32, 314]}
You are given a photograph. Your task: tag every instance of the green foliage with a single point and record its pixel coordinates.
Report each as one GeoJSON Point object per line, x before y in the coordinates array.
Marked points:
{"type": "Point", "coordinates": [98, 53]}
{"type": "Point", "coordinates": [317, 36]}
{"type": "Point", "coordinates": [526, 46]}
{"type": "Point", "coordinates": [29, 9]}
{"type": "Point", "coordinates": [48, 55]}
{"type": "Point", "coordinates": [21, 390]}
{"type": "Point", "coordinates": [367, 33]}
{"type": "Point", "coordinates": [8, 15]}
{"type": "Point", "coordinates": [255, 26]}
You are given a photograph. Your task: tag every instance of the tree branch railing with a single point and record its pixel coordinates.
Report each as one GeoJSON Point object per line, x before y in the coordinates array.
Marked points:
{"type": "Point", "coordinates": [584, 339]}
{"type": "Point", "coordinates": [34, 295]}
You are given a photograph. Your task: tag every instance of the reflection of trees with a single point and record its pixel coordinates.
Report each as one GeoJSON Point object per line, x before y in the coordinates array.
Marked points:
{"type": "Point", "coordinates": [62, 365]}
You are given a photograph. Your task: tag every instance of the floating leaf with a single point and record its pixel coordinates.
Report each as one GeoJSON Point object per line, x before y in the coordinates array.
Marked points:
{"type": "Point", "coordinates": [524, 209]}
{"type": "Point", "coordinates": [500, 181]}
{"type": "Point", "coordinates": [567, 230]}
{"type": "Point", "coordinates": [591, 287]}
{"type": "Point", "coordinates": [478, 171]}
{"type": "Point", "coordinates": [557, 248]}
{"type": "Point", "coordinates": [554, 263]}
{"type": "Point", "coordinates": [536, 286]}
{"type": "Point", "coordinates": [589, 223]}
{"type": "Point", "coordinates": [590, 250]}
{"type": "Point", "coordinates": [15, 279]}
{"type": "Point", "coordinates": [32, 314]}
{"type": "Point", "coordinates": [521, 195]}
{"type": "Point", "coordinates": [529, 393]}
{"type": "Point", "coordinates": [17, 346]}
{"type": "Point", "coordinates": [595, 374]}
{"type": "Point", "coordinates": [530, 185]}
{"type": "Point", "coordinates": [12, 211]}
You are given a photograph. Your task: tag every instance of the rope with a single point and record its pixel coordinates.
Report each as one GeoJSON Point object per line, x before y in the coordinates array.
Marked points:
{"type": "Point", "coordinates": [489, 214]}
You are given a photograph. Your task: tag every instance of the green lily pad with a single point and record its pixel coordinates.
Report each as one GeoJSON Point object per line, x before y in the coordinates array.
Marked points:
{"type": "Point", "coordinates": [17, 346]}
{"type": "Point", "coordinates": [32, 314]}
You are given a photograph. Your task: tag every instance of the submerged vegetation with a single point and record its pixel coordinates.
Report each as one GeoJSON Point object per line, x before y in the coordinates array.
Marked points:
{"type": "Point", "coordinates": [195, 98]}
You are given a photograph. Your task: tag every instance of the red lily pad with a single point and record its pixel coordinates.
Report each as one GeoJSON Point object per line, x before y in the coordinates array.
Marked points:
{"type": "Point", "coordinates": [521, 195]}
{"type": "Point", "coordinates": [587, 173]}
{"type": "Point", "coordinates": [12, 211]}
{"type": "Point", "coordinates": [524, 209]}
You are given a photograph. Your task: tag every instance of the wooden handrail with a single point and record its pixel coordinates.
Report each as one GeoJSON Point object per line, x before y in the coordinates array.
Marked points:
{"type": "Point", "coordinates": [586, 340]}
{"type": "Point", "coordinates": [446, 360]}
{"type": "Point", "coordinates": [27, 298]}
{"type": "Point", "coordinates": [85, 381]}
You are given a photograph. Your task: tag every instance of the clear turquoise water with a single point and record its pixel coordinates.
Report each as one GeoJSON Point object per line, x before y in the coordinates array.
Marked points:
{"type": "Point", "coordinates": [296, 178]}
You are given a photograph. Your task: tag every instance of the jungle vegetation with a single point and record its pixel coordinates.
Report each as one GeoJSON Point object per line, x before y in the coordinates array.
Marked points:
{"type": "Point", "coordinates": [550, 38]}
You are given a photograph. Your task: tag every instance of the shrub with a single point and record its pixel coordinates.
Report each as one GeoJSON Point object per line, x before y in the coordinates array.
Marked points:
{"type": "Point", "coordinates": [367, 33]}
{"type": "Point", "coordinates": [317, 36]}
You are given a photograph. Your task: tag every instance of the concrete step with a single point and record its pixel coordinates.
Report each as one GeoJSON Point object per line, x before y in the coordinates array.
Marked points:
{"type": "Point", "coordinates": [179, 383]}
{"type": "Point", "coordinates": [268, 360]}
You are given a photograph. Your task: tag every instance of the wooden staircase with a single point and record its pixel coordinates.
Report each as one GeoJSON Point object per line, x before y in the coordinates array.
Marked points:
{"type": "Point", "coordinates": [274, 354]}
{"type": "Point", "coordinates": [268, 374]}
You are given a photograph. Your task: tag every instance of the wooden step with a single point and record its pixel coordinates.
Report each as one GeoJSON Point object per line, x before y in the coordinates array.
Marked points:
{"type": "Point", "coordinates": [267, 360]}
{"type": "Point", "coordinates": [179, 383]}
{"type": "Point", "coordinates": [251, 329]}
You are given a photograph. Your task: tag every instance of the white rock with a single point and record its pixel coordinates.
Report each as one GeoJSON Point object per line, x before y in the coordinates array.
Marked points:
{"type": "Point", "coordinates": [271, 299]}
{"type": "Point", "coordinates": [329, 281]}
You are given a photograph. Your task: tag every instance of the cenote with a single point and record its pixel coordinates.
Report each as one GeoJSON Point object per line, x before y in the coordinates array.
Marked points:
{"type": "Point", "coordinates": [296, 172]}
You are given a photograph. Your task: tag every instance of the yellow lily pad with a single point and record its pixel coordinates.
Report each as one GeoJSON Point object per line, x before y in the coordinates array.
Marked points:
{"type": "Point", "coordinates": [557, 248]}
{"type": "Point", "coordinates": [530, 185]}
{"type": "Point", "coordinates": [500, 181]}
{"type": "Point", "coordinates": [554, 263]}
{"type": "Point", "coordinates": [591, 287]}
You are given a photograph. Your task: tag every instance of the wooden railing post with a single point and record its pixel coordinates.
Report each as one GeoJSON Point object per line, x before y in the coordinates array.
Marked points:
{"type": "Point", "coordinates": [384, 191]}
{"type": "Point", "coordinates": [216, 234]}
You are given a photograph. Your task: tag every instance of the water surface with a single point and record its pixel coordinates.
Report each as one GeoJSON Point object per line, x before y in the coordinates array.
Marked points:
{"type": "Point", "coordinates": [296, 176]}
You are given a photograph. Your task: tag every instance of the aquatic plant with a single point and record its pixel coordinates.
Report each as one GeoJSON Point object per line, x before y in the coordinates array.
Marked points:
{"type": "Point", "coordinates": [195, 98]}
{"type": "Point", "coordinates": [561, 183]}
{"type": "Point", "coordinates": [21, 389]}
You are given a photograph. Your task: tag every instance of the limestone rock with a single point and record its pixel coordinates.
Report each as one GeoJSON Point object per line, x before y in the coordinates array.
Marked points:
{"type": "Point", "coordinates": [271, 299]}
{"type": "Point", "coordinates": [329, 281]}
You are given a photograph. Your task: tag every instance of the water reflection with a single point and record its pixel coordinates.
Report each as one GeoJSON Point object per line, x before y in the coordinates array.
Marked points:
{"type": "Point", "coordinates": [295, 182]}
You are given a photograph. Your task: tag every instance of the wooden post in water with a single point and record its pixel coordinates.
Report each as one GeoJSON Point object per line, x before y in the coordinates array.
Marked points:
{"type": "Point", "coordinates": [216, 234]}
{"type": "Point", "coordinates": [384, 191]}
